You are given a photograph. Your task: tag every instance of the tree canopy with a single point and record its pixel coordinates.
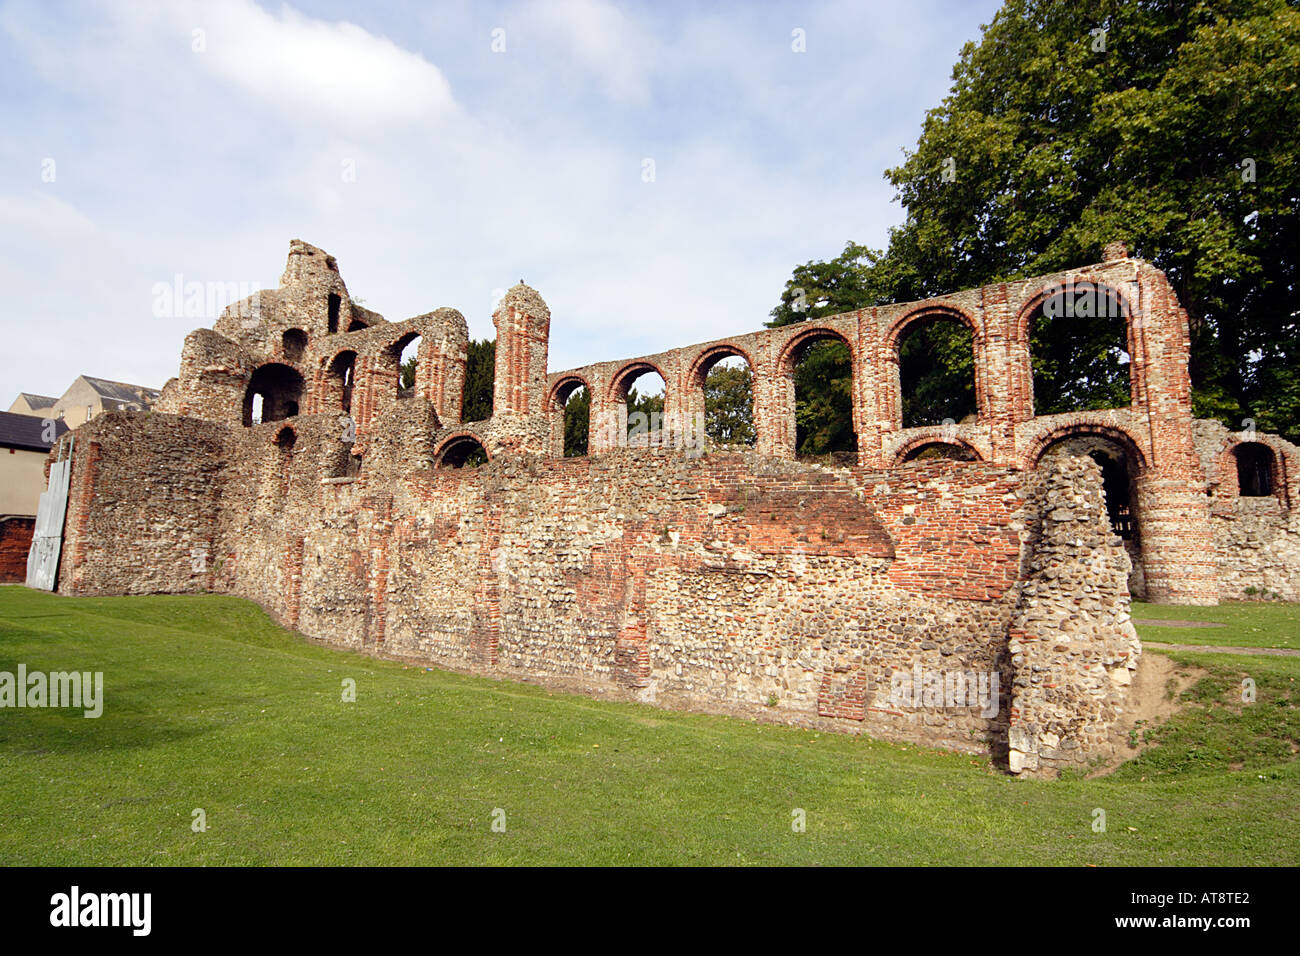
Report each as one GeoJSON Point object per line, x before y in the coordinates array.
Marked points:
{"type": "Point", "coordinates": [1075, 123]}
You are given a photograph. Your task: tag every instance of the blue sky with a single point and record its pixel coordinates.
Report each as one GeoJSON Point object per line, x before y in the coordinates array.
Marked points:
{"type": "Point", "coordinates": [438, 171]}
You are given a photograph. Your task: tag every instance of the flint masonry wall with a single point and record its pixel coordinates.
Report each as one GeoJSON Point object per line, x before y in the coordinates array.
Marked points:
{"type": "Point", "coordinates": [1072, 642]}
{"type": "Point", "coordinates": [15, 541]}
{"type": "Point", "coordinates": [144, 505]}
{"type": "Point", "coordinates": [877, 597]}
{"type": "Point", "coordinates": [1257, 538]}
{"type": "Point", "coordinates": [731, 583]}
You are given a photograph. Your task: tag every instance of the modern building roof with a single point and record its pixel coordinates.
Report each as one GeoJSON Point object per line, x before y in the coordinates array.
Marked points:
{"type": "Point", "coordinates": [38, 401]}
{"type": "Point", "coordinates": [120, 391]}
{"type": "Point", "coordinates": [25, 432]}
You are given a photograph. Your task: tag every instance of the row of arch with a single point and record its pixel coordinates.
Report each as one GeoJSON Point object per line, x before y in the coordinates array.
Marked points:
{"type": "Point", "coordinates": [1101, 373]}
{"type": "Point", "coordinates": [278, 390]}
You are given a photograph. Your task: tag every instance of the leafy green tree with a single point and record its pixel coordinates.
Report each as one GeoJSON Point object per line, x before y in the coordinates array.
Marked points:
{"type": "Point", "coordinates": [577, 421]}
{"type": "Point", "coordinates": [480, 371]}
{"type": "Point", "coordinates": [648, 405]}
{"type": "Point", "coordinates": [408, 373]}
{"type": "Point", "coordinates": [1075, 123]}
{"type": "Point", "coordinates": [936, 372]}
{"type": "Point", "coordinates": [823, 375]}
{"type": "Point", "coordinates": [729, 405]}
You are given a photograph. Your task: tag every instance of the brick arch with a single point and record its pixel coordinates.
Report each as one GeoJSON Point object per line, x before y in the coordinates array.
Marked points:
{"type": "Point", "coordinates": [1027, 308]}
{"type": "Point", "coordinates": [555, 401]}
{"type": "Point", "coordinates": [563, 388]}
{"type": "Point", "coordinates": [923, 441]}
{"type": "Point", "coordinates": [710, 356]}
{"type": "Point", "coordinates": [785, 360]}
{"type": "Point", "coordinates": [927, 313]}
{"type": "Point", "coordinates": [1033, 454]}
{"type": "Point", "coordinates": [285, 438]}
{"type": "Point", "coordinates": [392, 352]}
{"type": "Point", "coordinates": [455, 439]}
{"type": "Point", "coordinates": [621, 379]}
{"type": "Point", "coordinates": [931, 313]}
{"type": "Point", "coordinates": [1226, 466]}
{"type": "Point", "coordinates": [1020, 337]}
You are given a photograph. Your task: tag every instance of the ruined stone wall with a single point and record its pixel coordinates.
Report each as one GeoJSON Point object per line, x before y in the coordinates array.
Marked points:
{"type": "Point", "coordinates": [15, 542]}
{"type": "Point", "coordinates": [1072, 642]}
{"type": "Point", "coordinates": [1154, 431]}
{"type": "Point", "coordinates": [979, 605]}
{"type": "Point", "coordinates": [731, 583]}
{"type": "Point", "coordinates": [144, 504]}
{"type": "Point", "coordinates": [1257, 538]}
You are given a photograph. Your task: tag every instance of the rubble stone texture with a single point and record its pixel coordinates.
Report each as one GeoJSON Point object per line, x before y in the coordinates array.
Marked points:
{"type": "Point", "coordinates": [741, 582]}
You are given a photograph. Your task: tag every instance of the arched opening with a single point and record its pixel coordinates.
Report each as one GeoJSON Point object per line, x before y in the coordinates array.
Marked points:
{"type": "Point", "coordinates": [951, 451]}
{"type": "Point", "coordinates": [1255, 465]}
{"type": "Point", "coordinates": [728, 384]}
{"type": "Point", "coordinates": [294, 343]}
{"type": "Point", "coordinates": [273, 393]}
{"type": "Point", "coordinates": [642, 390]}
{"type": "Point", "coordinates": [572, 403]}
{"type": "Point", "coordinates": [342, 375]}
{"type": "Point", "coordinates": [405, 354]}
{"type": "Point", "coordinates": [334, 306]}
{"type": "Point", "coordinates": [285, 439]}
{"type": "Point", "coordinates": [821, 365]}
{"type": "Point", "coordinates": [936, 372]}
{"type": "Point", "coordinates": [463, 451]}
{"type": "Point", "coordinates": [1119, 472]}
{"type": "Point", "coordinates": [1117, 486]}
{"type": "Point", "coordinates": [1078, 341]}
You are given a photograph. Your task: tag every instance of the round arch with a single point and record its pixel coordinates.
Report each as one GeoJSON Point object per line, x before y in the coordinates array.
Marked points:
{"type": "Point", "coordinates": [1022, 330]}
{"type": "Point", "coordinates": [787, 358]}
{"type": "Point", "coordinates": [1269, 466]}
{"type": "Point", "coordinates": [916, 318]}
{"type": "Point", "coordinates": [1034, 452]}
{"type": "Point", "coordinates": [457, 450]}
{"type": "Point", "coordinates": [563, 388]}
{"type": "Point", "coordinates": [281, 389]}
{"type": "Point", "coordinates": [711, 356]}
{"type": "Point", "coordinates": [930, 313]}
{"type": "Point", "coordinates": [621, 380]}
{"type": "Point", "coordinates": [911, 449]}
{"type": "Point", "coordinates": [557, 414]}
{"type": "Point", "coordinates": [1030, 306]}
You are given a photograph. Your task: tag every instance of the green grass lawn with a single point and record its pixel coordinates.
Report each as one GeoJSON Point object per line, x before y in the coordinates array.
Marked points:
{"type": "Point", "coordinates": [1246, 624]}
{"type": "Point", "coordinates": [210, 705]}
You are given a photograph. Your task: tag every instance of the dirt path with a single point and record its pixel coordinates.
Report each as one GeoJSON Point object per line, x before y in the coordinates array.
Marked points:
{"type": "Point", "coordinates": [1163, 622]}
{"type": "Point", "coordinates": [1216, 649]}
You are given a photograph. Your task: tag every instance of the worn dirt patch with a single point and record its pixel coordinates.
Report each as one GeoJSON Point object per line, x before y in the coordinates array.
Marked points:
{"type": "Point", "coordinates": [1150, 704]}
{"type": "Point", "coordinates": [1170, 622]}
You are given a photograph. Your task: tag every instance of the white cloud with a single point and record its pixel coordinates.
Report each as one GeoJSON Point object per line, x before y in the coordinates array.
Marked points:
{"type": "Point", "coordinates": [207, 164]}
{"type": "Point", "coordinates": [307, 67]}
{"type": "Point", "coordinates": [45, 215]}
{"type": "Point", "coordinates": [594, 36]}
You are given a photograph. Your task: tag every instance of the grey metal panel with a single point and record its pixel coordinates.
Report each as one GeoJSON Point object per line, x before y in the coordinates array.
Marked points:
{"type": "Point", "coordinates": [47, 539]}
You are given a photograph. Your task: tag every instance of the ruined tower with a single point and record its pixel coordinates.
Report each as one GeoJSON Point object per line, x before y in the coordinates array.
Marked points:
{"type": "Point", "coordinates": [523, 324]}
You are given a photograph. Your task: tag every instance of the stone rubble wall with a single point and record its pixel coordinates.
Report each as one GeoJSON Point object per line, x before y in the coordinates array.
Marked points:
{"type": "Point", "coordinates": [144, 504]}
{"type": "Point", "coordinates": [15, 541]}
{"type": "Point", "coordinates": [1072, 641]}
{"type": "Point", "coordinates": [1257, 540]}
{"type": "Point", "coordinates": [730, 583]}
{"type": "Point", "coordinates": [869, 597]}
